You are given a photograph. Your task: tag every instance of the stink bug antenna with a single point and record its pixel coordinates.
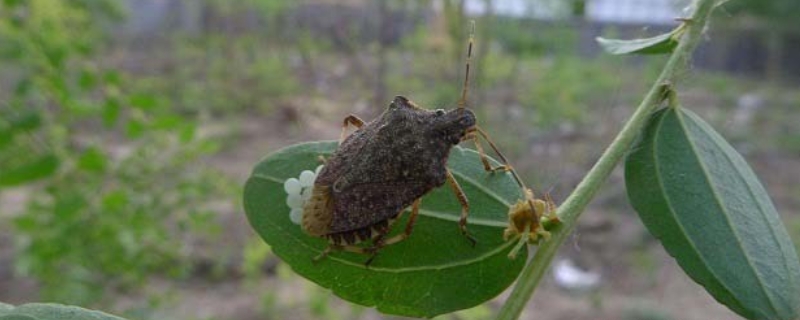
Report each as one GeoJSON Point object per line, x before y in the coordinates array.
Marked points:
{"type": "Point", "coordinates": [463, 101]}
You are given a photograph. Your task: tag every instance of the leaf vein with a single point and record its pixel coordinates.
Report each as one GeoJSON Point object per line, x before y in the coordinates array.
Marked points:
{"type": "Point", "coordinates": [723, 208]}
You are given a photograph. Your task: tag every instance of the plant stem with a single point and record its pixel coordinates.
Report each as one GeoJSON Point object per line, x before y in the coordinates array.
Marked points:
{"type": "Point", "coordinates": [574, 205]}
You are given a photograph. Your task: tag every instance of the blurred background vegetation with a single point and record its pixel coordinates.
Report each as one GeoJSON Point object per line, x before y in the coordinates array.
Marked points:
{"type": "Point", "coordinates": [127, 128]}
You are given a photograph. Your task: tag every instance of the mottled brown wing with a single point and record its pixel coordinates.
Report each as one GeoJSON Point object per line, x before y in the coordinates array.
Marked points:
{"type": "Point", "coordinates": [350, 149]}
{"type": "Point", "coordinates": [388, 155]}
{"type": "Point", "coordinates": [363, 205]}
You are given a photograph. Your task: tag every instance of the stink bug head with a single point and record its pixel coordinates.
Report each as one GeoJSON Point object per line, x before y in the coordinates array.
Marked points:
{"type": "Point", "coordinates": [454, 124]}
{"type": "Point", "coordinates": [447, 126]}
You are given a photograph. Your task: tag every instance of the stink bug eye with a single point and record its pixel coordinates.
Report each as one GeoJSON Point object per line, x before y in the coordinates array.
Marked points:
{"type": "Point", "coordinates": [466, 119]}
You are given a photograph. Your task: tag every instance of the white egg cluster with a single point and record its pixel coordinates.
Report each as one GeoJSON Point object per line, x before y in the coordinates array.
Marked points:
{"type": "Point", "coordinates": [299, 191]}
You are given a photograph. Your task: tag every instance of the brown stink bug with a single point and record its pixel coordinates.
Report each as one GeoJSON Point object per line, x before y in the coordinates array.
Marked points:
{"type": "Point", "coordinates": [387, 165]}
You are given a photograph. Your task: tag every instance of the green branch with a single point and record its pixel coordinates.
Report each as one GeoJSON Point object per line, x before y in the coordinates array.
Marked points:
{"type": "Point", "coordinates": [574, 205]}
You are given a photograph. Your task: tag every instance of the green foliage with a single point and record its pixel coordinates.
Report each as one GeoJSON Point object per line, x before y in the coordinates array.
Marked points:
{"type": "Point", "coordinates": [700, 198]}
{"type": "Point", "coordinates": [429, 80]}
{"type": "Point", "coordinates": [223, 75]}
{"type": "Point", "coordinates": [30, 169]}
{"type": "Point", "coordinates": [660, 44]}
{"type": "Point", "coordinates": [268, 9]}
{"type": "Point", "coordinates": [444, 266]}
{"type": "Point", "coordinates": [775, 11]}
{"type": "Point", "coordinates": [51, 311]}
{"type": "Point", "coordinates": [564, 90]}
{"type": "Point", "coordinates": [443, 95]}
{"type": "Point", "coordinates": [117, 179]}
{"type": "Point", "coordinates": [499, 69]}
{"type": "Point", "coordinates": [254, 255]}
{"type": "Point", "coordinates": [521, 37]}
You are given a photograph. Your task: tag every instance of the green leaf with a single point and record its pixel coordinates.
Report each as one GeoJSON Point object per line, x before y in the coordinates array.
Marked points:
{"type": "Point", "coordinates": [134, 128]}
{"type": "Point", "coordinates": [93, 159]}
{"type": "Point", "coordinates": [699, 197]}
{"type": "Point", "coordinates": [112, 77]}
{"type": "Point", "coordinates": [87, 79]}
{"type": "Point", "coordinates": [26, 121]}
{"type": "Point", "coordinates": [434, 271]}
{"type": "Point", "coordinates": [115, 201]}
{"type": "Point", "coordinates": [12, 3]}
{"type": "Point", "coordinates": [41, 167]}
{"type": "Point", "coordinates": [143, 101]}
{"type": "Point", "coordinates": [52, 311]}
{"type": "Point", "coordinates": [111, 111]}
{"type": "Point", "coordinates": [10, 125]}
{"type": "Point", "coordinates": [6, 136]}
{"type": "Point", "coordinates": [167, 122]}
{"type": "Point", "coordinates": [187, 132]}
{"type": "Point", "coordinates": [23, 87]}
{"type": "Point", "coordinates": [660, 44]}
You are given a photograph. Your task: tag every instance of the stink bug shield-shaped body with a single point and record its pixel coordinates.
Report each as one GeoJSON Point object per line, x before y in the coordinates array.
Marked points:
{"type": "Point", "coordinates": [386, 166]}
{"type": "Point", "coordinates": [379, 170]}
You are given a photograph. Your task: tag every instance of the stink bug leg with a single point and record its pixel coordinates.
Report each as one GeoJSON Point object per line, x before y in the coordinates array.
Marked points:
{"type": "Point", "coordinates": [378, 242]}
{"type": "Point", "coordinates": [351, 119]}
{"type": "Point", "coordinates": [526, 216]}
{"type": "Point", "coordinates": [484, 159]}
{"type": "Point", "coordinates": [409, 226]}
{"type": "Point", "coordinates": [462, 199]}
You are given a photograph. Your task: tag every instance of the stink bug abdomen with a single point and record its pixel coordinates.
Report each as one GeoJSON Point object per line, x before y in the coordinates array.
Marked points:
{"type": "Point", "coordinates": [318, 212]}
{"type": "Point", "coordinates": [366, 204]}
